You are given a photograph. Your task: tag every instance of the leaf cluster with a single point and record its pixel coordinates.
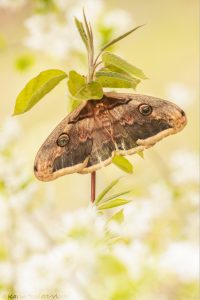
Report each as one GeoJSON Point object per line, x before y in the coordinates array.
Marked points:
{"type": "Point", "coordinates": [106, 70]}
{"type": "Point", "coordinates": [105, 202]}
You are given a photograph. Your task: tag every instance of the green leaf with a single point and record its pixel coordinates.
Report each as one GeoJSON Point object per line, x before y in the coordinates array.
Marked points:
{"type": "Point", "coordinates": [36, 89]}
{"type": "Point", "coordinates": [114, 60]}
{"type": "Point", "coordinates": [120, 37]}
{"type": "Point", "coordinates": [141, 154]}
{"type": "Point", "coordinates": [89, 36]}
{"type": "Point", "coordinates": [115, 196]}
{"type": "Point", "coordinates": [75, 82]}
{"type": "Point", "coordinates": [86, 25]}
{"type": "Point", "coordinates": [81, 90]}
{"type": "Point", "coordinates": [72, 103]}
{"type": "Point", "coordinates": [118, 216]}
{"type": "Point", "coordinates": [106, 190]}
{"type": "Point", "coordinates": [112, 203]}
{"type": "Point", "coordinates": [89, 91]}
{"type": "Point", "coordinates": [110, 68]}
{"type": "Point", "coordinates": [82, 32]}
{"type": "Point", "coordinates": [123, 163]}
{"type": "Point", "coordinates": [116, 80]}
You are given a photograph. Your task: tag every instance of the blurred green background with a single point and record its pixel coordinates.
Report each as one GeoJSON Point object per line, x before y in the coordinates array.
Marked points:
{"type": "Point", "coordinates": [167, 50]}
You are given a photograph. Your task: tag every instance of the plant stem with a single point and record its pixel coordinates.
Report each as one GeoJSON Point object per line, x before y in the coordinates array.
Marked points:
{"type": "Point", "coordinates": [96, 59]}
{"type": "Point", "coordinates": [93, 186]}
{"type": "Point", "coordinates": [90, 79]}
{"type": "Point", "coordinates": [94, 68]}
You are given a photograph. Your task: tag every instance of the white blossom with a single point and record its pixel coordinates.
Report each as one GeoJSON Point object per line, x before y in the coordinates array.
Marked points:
{"type": "Point", "coordinates": [93, 10]}
{"type": "Point", "coordinates": [63, 265]}
{"type": "Point", "coordinates": [185, 167]}
{"type": "Point", "coordinates": [22, 198]}
{"type": "Point", "coordinates": [118, 19]}
{"type": "Point", "coordinates": [139, 216]}
{"type": "Point", "coordinates": [57, 36]}
{"type": "Point", "coordinates": [180, 94]}
{"type": "Point", "coordinates": [48, 34]}
{"type": "Point", "coordinates": [182, 259]}
{"type": "Point", "coordinates": [4, 215]}
{"type": "Point", "coordinates": [134, 256]}
{"type": "Point", "coordinates": [9, 132]}
{"type": "Point", "coordinates": [82, 219]}
{"type": "Point", "coordinates": [193, 196]}
{"type": "Point", "coordinates": [5, 272]}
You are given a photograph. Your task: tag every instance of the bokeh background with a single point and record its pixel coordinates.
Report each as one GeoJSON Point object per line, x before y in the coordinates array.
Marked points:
{"type": "Point", "coordinates": [53, 242]}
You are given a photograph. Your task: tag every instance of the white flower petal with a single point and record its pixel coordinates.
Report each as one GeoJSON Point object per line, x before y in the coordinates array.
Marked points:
{"type": "Point", "coordinates": [182, 259]}
{"type": "Point", "coordinates": [185, 166]}
{"type": "Point", "coordinates": [180, 94]}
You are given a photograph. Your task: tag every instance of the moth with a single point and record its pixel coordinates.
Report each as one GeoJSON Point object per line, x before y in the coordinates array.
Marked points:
{"type": "Point", "coordinates": [89, 137]}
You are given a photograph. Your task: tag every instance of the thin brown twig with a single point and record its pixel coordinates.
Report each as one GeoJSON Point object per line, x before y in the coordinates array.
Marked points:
{"type": "Point", "coordinates": [93, 186]}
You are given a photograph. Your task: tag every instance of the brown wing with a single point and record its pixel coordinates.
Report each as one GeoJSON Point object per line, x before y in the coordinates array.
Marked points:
{"type": "Point", "coordinates": [117, 128]}
{"type": "Point", "coordinates": [98, 129]}
{"type": "Point", "coordinates": [53, 161]}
